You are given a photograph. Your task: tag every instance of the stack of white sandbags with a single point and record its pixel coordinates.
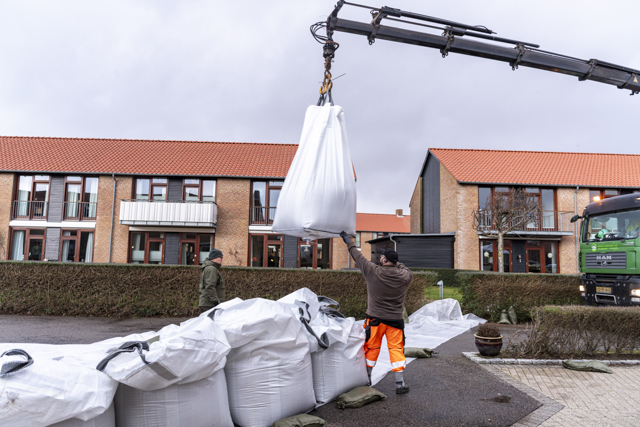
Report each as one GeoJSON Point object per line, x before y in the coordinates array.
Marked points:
{"type": "Point", "coordinates": [46, 389]}
{"type": "Point", "coordinates": [336, 344]}
{"type": "Point", "coordinates": [268, 369]}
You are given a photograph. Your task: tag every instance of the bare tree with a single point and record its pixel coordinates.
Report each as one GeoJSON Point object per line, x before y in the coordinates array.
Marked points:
{"type": "Point", "coordinates": [507, 212]}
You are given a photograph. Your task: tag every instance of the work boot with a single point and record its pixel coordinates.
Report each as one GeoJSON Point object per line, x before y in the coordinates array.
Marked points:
{"type": "Point", "coordinates": [369, 374]}
{"type": "Point", "coordinates": [401, 387]}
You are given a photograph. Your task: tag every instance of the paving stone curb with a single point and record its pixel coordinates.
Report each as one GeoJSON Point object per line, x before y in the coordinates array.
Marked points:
{"type": "Point", "coordinates": [499, 361]}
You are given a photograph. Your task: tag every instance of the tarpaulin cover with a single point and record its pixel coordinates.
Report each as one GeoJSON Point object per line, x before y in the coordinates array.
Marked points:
{"type": "Point", "coordinates": [336, 343]}
{"type": "Point", "coordinates": [268, 369]}
{"type": "Point", "coordinates": [189, 352]}
{"type": "Point", "coordinates": [106, 419]}
{"type": "Point", "coordinates": [318, 198]}
{"type": "Point", "coordinates": [200, 403]}
{"type": "Point", "coordinates": [40, 391]}
{"type": "Point", "coordinates": [430, 326]}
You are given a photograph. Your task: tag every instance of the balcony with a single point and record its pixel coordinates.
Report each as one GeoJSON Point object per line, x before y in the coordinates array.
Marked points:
{"type": "Point", "coordinates": [79, 211]}
{"type": "Point", "coordinates": [29, 210]}
{"type": "Point", "coordinates": [260, 215]}
{"type": "Point", "coordinates": [171, 213]}
{"type": "Point", "coordinates": [550, 223]}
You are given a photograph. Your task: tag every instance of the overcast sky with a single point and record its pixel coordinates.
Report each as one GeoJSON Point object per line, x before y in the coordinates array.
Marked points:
{"type": "Point", "coordinates": [245, 71]}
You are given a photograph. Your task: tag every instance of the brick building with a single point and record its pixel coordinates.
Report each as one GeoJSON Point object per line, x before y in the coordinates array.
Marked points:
{"type": "Point", "coordinates": [454, 182]}
{"type": "Point", "coordinates": [151, 202]}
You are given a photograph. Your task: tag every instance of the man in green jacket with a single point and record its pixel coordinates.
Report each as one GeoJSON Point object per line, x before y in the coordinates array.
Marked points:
{"type": "Point", "coordinates": [211, 282]}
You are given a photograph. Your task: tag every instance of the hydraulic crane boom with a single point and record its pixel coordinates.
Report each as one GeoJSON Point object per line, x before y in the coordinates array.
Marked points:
{"type": "Point", "coordinates": [455, 38]}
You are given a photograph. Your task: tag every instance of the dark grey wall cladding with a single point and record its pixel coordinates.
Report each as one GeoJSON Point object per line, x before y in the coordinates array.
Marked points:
{"type": "Point", "coordinates": [52, 244]}
{"type": "Point", "coordinates": [518, 247]}
{"type": "Point", "coordinates": [423, 251]}
{"type": "Point", "coordinates": [290, 252]}
{"type": "Point", "coordinates": [56, 198]}
{"type": "Point", "coordinates": [431, 196]}
{"type": "Point", "coordinates": [172, 251]}
{"type": "Point", "coordinates": [175, 190]}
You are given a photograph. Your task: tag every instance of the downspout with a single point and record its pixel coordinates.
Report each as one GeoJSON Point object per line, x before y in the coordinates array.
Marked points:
{"type": "Point", "coordinates": [113, 211]}
{"type": "Point", "coordinates": [394, 242]}
{"type": "Point", "coordinates": [575, 226]}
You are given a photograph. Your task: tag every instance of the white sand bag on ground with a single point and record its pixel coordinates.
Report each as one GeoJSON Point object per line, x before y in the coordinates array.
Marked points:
{"type": "Point", "coordinates": [106, 419]}
{"type": "Point", "coordinates": [318, 198]}
{"type": "Point", "coordinates": [202, 403]}
{"type": "Point", "coordinates": [41, 391]}
{"type": "Point", "coordinates": [268, 370]}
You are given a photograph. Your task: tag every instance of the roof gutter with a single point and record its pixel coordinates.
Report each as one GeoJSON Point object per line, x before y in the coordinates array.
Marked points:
{"type": "Point", "coordinates": [113, 210]}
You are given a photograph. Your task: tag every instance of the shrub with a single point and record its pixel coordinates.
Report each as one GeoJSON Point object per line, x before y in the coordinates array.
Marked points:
{"type": "Point", "coordinates": [488, 330]}
{"type": "Point", "coordinates": [447, 275]}
{"type": "Point", "coordinates": [132, 290]}
{"type": "Point", "coordinates": [579, 332]}
{"type": "Point", "coordinates": [486, 294]}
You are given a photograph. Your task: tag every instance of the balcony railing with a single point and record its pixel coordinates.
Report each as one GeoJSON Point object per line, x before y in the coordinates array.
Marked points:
{"type": "Point", "coordinates": [79, 211]}
{"type": "Point", "coordinates": [170, 213]}
{"type": "Point", "coordinates": [261, 215]}
{"type": "Point", "coordinates": [552, 222]}
{"type": "Point", "coordinates": [29, 210]}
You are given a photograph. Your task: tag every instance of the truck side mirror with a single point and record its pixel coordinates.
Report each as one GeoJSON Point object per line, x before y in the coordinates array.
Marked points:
{"type": "Point", "coordinates": [575, 218]}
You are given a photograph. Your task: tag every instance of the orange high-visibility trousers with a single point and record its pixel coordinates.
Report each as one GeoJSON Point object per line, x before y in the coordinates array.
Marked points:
{"type": "Point", "coordinates": [395, 343]}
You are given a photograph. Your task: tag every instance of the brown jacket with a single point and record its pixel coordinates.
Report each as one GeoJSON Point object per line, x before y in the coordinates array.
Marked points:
{"type": "Point", "coordinates": [386, 286]}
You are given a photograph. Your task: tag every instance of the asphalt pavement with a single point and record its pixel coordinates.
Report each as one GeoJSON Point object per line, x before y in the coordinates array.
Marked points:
{"type": "Point", "coordinates": [446, 390]}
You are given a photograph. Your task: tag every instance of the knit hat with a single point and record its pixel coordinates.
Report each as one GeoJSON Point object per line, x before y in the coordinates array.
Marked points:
{"type": "Point", "coordinates": [215, 253]}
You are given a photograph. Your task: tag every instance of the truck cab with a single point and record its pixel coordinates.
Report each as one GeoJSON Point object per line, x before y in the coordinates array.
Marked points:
{"type": "Point", "coordinates": [609, 249]}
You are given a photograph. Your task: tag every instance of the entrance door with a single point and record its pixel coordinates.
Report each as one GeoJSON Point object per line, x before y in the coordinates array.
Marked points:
{"type": "Point", "coordinates": [273, 259]}
{"type": "Point", "coordinates": [35, 248]}
{"type": "Point", "coordinates": [188, 253]}
{"type": "Point", "coordinates": [533, 261]}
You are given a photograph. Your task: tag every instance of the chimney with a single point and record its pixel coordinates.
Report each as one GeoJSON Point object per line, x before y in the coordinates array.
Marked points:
{"type": "Point", "coordinates": [399, 213]}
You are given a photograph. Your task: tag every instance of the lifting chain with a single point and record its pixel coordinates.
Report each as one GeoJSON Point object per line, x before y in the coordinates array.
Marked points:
{"type": "Point", "coordinates": [329, 50]}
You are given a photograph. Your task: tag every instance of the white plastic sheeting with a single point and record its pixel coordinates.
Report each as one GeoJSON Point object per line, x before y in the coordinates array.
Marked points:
{"type": "Point", "coordinates": [336, 344]}
{"type": "Point", "coordinates": [318, 198]}
{"type": "Point", "coordinates": [189, 352]}
{"type": "Point", "coordinates": [200, 403]}
{"type": "Point", "coordinates": [268, 369]}
{"type": "Point", "coordinates": [48, 391]}
{"type": "Point", "coordinates": [430, 326]}
{"type": "Point", "coordinates": [106, 419]}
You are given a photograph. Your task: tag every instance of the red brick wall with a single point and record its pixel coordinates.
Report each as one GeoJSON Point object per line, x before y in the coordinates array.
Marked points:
{"type": "Point", "coordinates": [232, 234]}
{"type": "Point", "coordinates": [120, 243]}
{"type": "Point", "coordinates": [339, 255]}
{"type": "Point", "coordinates": [416, 208]}
{"type": "Point", "coordinates": [6, 203]}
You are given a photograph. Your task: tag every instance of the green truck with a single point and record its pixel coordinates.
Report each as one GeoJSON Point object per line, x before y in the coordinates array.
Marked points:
{"type": "Point", "coordinates": [609, 251]}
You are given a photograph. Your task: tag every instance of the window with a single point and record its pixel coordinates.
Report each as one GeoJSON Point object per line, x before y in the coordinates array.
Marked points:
{"type": "Point", "coordinates": [488, 255]}
{"type": "Point", "coordinates": [378, 235]}
{"type": "Point", "coordinates": [151, 189]}
{"type": "Point", "coordinates": [32, 196]}
{"type": "Point", "coordinates": [264, 200]}
{"type": "Point", "coordinates": [147, 248]}
{"type": "Point", "coordinates": [266, 250]}
{"type": "Point", "coordinates": [315, 254]}
{"type": "Point", "coordinates": [27, 244]}
{"type": "Point", "coordinates": [195, 248]}
{"type": "Point", "coordinates": [81, 198]}
{"type": "Point", "coordinates": [357, 239]}
{"type": "Point", "coordinates": [484, 197]}
{"type": "Point", "coordinates": [598, 194]}
{"type": "Point", "coordinates": [76, 246]}
{"type": "Point", "coordinates": [542, 256]}
{"type": "Point", "coordinates": [199, 190]}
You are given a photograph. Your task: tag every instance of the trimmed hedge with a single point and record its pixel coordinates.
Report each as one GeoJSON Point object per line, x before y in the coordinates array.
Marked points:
{"type": "Point", "coordinates": [447, 275]}
{"type": "Point", "coordinates": [132, 290]}
{"type": "Point", "coordinates": [580, 331]}
{"type": "Point", "coordinates": [486, 294]}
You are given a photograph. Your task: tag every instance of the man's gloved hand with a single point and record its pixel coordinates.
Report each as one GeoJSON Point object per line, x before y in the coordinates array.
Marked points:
{"type": "Point", "coordinates": [345, 237]}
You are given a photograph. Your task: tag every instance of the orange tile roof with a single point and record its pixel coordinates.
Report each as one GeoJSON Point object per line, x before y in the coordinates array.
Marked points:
{"type": "Point", "coordinates": [126, 156]}
{"type": "Point", "coordinates": [541, 167]}
{"type": "Point", "coordinates": [383, 223]}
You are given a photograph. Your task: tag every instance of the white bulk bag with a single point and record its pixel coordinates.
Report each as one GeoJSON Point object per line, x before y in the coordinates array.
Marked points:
{"type": "Point", "coordinates": [106, 419]}
{"type": "Point", "coordinates": [318, 198]}
{"type": "Point", "coordinates": [42, 391]}
{"type": "Point", "coordinates": [189, 352]}
{"type": "Point", "coordinates": [336, 343]}
{"type": "Point", "coordinates": [200, 403]}
{"type": "Point", "coordinates": [268, 369]}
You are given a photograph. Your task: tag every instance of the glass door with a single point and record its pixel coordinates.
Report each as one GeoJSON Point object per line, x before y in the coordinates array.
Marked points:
{"type": "Point", "coordinates": [36, 245]}
{"type": "Point", "coordinates": [534, 257]}
{"type": "Point", "coordinates": [188, 255]}
{"type": "Point", "coordinates": [273, 260]}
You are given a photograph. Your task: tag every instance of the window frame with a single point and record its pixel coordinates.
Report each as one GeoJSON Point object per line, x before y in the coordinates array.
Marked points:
{"type": "Point", "coordinates": [82, 182]}
{"type": "Point", "coordinates": [27, 237]}
{"type": "Point", "coordinates": [152, 185]}
{"type": "Point", "coordinates": [200, 187]}
{"type": "Point", "coordinates": [32, 193]}
{"type": "Point", "coordinates": [602, 193]}
{"type": "Point", "coordinates": [196, 242]}
{"type": "Point", "coordinates": [314, 254]}
{"type": "Point", "coordinates": [268, 219]}
{"type": "Point", "coordinates": [146, 245]}
{"type": "Point", "coordinates": [269, 238]}
{"type": "Point", "coordinates": [77, 239]}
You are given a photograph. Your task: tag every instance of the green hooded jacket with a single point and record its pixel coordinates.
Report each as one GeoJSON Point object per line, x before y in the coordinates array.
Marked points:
{"type": "Point", "coordinates": [211, 284]}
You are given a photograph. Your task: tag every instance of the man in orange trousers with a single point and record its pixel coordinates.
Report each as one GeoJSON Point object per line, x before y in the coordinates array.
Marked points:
{"type": "Point", "coordinates": [387, 285]}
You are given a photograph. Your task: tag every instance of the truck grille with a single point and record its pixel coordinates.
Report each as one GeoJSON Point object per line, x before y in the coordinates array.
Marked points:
{"type": "Point", "coordinates": [608, 260]}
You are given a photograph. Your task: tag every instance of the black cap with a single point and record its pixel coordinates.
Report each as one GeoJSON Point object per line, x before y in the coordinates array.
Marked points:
{"type": "Point", "coordinates": [215, 253]}
{"type": "Point", "coordinates": [390, 254]}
